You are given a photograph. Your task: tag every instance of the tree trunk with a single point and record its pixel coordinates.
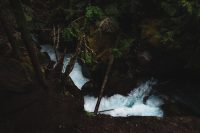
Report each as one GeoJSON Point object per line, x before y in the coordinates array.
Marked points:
{"type": "Point", "coordinates": [21, 22]}
{"type": "Point", "coordinates": [71, 63]}
{"type": "Point", "coordinates": [104, 84]}
{"type": "Point", "coordinates": [11, 38]}
{"type": "Point", "coordinates": [55, 44]}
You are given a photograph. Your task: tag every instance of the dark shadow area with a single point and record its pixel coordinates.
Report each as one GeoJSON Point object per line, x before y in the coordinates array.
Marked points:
{"type": "Point", "coordinates": [55, 52]}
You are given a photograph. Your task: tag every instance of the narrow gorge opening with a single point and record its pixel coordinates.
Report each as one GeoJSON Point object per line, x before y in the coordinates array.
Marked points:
{"type": "Point", "coordinates": [139, 102]}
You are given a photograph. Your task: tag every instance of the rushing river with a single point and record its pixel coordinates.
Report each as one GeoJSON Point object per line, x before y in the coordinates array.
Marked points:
{"type": "Point", "coordinates": [118, 105]}
{"type": "Point", "coordinates": [131, 105]}
{"type": "Point", "coordinates": [76, 74]}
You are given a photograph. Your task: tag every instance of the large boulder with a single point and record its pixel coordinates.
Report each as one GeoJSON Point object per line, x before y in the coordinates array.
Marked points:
{"type": "Point", "coordinates": [120, 80]}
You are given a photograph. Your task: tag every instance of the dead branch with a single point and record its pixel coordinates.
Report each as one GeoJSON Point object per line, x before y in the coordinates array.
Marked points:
{"type": "Point", "coordinates": [74, 21]}
{"type": "Point", "coordinates": [105, 111]}
{"type": "Point", "coordinates": [54, 35]}
{"type": "Point", "coordinates": [58, 38]}
{"type": "Point", "coordinates": [89, 49]}
{"type": "Point", "coordinates": [101, 54]}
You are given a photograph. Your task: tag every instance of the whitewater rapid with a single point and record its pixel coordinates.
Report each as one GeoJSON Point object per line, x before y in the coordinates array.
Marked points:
{"type": "Point", "coordinates": [49, 49]}
{"type": "Point", "coordinates": [139, 102]}
{"type": "Point", "coordinates": [76, 74]}
{"type": "Point", "coordinates": [131, 105]}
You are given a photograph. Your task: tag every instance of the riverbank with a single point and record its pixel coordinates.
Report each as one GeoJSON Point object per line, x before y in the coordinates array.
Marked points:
{"type": "Point", "coordinates": [44, 113]}
{"type": "Point", "coordinates": [37, 110]}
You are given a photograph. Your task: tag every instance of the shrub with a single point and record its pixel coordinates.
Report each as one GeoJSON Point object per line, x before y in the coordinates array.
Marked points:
{"type": "Point", "coordinates": [69, 34]}
{"type": "Point", "coordinates": [93, 13]}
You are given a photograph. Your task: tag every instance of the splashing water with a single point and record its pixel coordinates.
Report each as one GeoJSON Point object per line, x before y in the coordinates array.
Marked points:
{"type": "Point", "coordinates": [76, 74]}
{"type": "Point", "coordinates": [131, 105]}
{"type": "Point", "coordinates": [49, 49]}
{"type": "Point", "coordinates": [122, 106]}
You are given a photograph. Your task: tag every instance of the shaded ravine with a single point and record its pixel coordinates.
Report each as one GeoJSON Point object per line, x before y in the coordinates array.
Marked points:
{"type": "Point", "coordinates": [76, 74]}
{"type": "Point", "coordinates": [134, 104]}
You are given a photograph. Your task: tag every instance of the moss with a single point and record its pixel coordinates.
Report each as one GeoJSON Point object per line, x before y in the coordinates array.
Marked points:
{"type": "Point", "coordinates": [89, 114]}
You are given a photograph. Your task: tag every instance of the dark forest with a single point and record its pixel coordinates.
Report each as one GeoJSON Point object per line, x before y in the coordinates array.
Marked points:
{"type": "Point", "coordinates": [99, 66]}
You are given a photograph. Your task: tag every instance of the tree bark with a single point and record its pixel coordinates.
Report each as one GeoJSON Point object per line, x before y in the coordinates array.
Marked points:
{"type": "Point", "coordinates": [11, 38]}
{"type": "Point", "coordinates": [104, 84]}
{"type": "Point", "coordinates": [71, 63]}
{"type": "Point", "coordinates": [21, 22]}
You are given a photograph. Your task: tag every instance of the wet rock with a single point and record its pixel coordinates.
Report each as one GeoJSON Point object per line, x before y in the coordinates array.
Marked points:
{"type": "Point", "coordinates": [85, 69]}
{"type": "Point", "coordinates": [44, 58]}
{"type": "Point", "coordinates": [44, 36]}
{"type": "Point", "coordinates": [90, 89]}
{"type": "Point", "coordinates": [119, 84]}
{"type": "Point", "coordinates": [74, 91]}
{"type": "Point", "coordinates": [119, 80]}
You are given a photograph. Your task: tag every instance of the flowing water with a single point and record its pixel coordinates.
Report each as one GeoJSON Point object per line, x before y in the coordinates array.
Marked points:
{"type": "Point", "coordinates": [119, 106]}
{"type": "Point", "coordinates": [49, 49]}
{"type": "Point", "coordinates": [131, 105]}
{"type": "Point", "coordinates": [76, 74]}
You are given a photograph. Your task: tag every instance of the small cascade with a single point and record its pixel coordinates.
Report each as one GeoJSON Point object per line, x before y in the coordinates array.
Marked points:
{"type": "Point", "coordinates": [76, 74]}
{"type": "Point", "coordinates": [49, 49]}
{"type": "Point", "coordinates": [117, 105]}
{"type": "Point", "coordinates": [131, 105]}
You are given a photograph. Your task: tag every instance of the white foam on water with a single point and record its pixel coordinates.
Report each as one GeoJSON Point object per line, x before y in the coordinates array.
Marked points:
{"type": "Point", "coordinates": [122, 106]}
{"type": "Point", "coordinates": [49, 49]}
{"type": "Point", "coordinates": [131, 105]}
{"type": "Point", "coordinates": [76, 74]}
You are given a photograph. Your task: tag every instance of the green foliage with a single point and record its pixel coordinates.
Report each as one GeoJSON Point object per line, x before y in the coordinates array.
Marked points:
{"type": "Point", "coordinates": [69, 34]}
{"type": "Point", "coordinates": [87, 56]}
{"type": "Point", "coordinates": [187, 4]}
{"type": "Point", "coordinates": [123, 45]}
{"type": "Point", "coordinates": [89, 114]}
{"type": "Point", "coordinates": [126, 43]}
{"type": "Point", "coordinates": [28, 17]}
{"type": "Point", "coordinates": [168, 37]}
{"type": "Point", "coordinates": [112, 10]}
{"type": "Point", "coordinates": [169, 8]}
{"type": "Point", "coordinates": [93, 13]}
{"type": "Point", "coordinates": [176, 7]}
{"type": "Point", "coordinates": [192, 6]}
{"type": "Point", "coordinates": [116, 52]}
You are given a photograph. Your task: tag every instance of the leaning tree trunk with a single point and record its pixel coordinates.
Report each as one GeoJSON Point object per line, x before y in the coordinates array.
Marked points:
{"type": "Point", "coordinates": [11, 38]}
{"type": "Point", "coordinates": [21, 22]}
{"type": "Point", "coordinates": [56, 44]}
{"type": "Point", "coordinates": [71, 63]}
{"type": "Point", "coordinates": [104, 84]}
